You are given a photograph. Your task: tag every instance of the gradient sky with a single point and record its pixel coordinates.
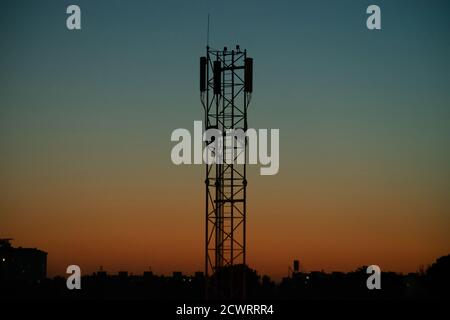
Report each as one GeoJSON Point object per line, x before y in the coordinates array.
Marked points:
{"type": "Point", "coordinates": [86, 118]}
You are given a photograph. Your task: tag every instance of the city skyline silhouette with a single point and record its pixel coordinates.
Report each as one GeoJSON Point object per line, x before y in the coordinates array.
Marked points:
{"type": "Point", "coordinates": [23, 276]}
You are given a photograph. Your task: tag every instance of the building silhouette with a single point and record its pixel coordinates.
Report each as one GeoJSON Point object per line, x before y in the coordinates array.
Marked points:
{"type": "Point", "coordinates": [21, 264]}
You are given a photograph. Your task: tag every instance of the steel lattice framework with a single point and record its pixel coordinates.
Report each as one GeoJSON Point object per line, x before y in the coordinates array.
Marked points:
{"type": "Point", "coordinates": [226, 86]}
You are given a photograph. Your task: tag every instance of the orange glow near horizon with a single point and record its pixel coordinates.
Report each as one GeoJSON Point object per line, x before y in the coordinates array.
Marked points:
{"type": "Point", "coordinates": [121, 225]}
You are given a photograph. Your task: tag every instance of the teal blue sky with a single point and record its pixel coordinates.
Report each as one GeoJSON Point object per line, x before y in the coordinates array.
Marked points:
{"type": "Point", "coordinates": [134, 64]}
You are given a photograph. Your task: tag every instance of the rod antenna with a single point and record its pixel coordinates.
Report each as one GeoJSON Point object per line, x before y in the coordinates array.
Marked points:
{"type": "Point", "coordinates": [207, 32]}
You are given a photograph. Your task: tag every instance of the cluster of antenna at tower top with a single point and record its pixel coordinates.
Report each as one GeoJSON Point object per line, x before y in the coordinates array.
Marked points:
{"type": "Point", "coordinates": [220, 61]}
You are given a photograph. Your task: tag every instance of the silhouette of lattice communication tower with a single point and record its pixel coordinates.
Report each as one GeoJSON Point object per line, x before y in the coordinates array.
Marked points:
{"type": "Point", "coordinates": [226, 85]}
